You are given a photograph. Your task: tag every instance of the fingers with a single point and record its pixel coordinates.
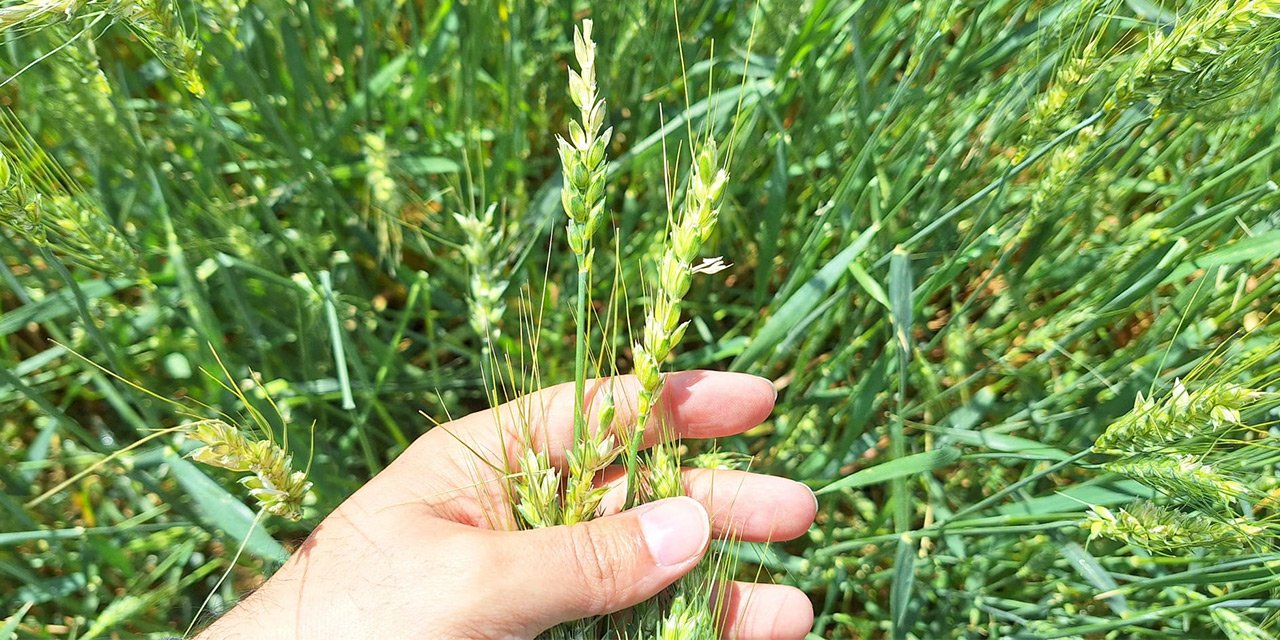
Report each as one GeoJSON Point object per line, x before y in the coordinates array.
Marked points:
{"type": "Point", "coordinates": [601, 566]}
{"type": "Point", "coordinates": [750, 506]}
{"type": "Point", "coordinates": [766, 612]}
{"type": "Point", "coordinates": [745, 506]}
{"type": "Point", "coordinates": [693, 404]}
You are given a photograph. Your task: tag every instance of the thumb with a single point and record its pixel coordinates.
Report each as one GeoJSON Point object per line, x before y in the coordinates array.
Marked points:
{"type": "Point", "coordinates": [564, 573]}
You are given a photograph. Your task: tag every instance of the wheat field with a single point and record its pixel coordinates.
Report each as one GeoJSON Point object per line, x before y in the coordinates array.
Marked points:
{"type": "Point", "coordinates": [1011, 265]}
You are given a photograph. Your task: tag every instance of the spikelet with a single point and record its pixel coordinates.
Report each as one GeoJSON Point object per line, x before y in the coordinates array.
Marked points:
{"type": "Point", "coordinates": [1209, 412]}
{"type": "Point", "coordinates": [277, 488]}
{"type": "Point", "coordinates": [537, 491]}
{"type": "Point", "coordinates": [1217, 51]}
{"type": "Point", "coordinates": [1183, 477]}
{"type": "Point", "coordinates": [721, 459]}
{"type": "Point", "coordinates": [664, 478]}
{"type": "Point", "coordinates": [1163, 530]}
{"type": "Point", "coordinates": [20, 206]}
{"type": "Point", "coordinates": [685, 621]}
{"type": "Point", "coordinates": [587, 458]}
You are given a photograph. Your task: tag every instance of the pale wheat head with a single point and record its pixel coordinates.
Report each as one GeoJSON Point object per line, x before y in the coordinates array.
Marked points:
{"type": "Point", "coordinates": [582, 156]}
{"type": "Point", "coordinates": [1185, 478]}
{"type": "Point", "coordinates": [278, 489]}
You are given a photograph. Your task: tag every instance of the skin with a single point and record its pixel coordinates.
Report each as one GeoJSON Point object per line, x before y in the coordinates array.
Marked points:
{"type": "Point", "coordinates": [422, 552]}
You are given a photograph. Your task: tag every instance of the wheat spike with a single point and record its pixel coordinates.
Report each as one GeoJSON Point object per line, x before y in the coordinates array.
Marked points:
{"type": "Point", "coordinates": [1209, 412]}
{"type": "Point", "coordinates": [1217, 51]}
{"type": "Point", "coordinates": [1160, 529]}
{"type": "Point", "coordinates": [278, 489]}
{"type": "Point", "coordinates": [1183, 477]}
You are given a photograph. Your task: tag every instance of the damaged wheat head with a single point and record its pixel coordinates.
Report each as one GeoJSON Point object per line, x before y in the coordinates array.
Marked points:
{"type": "Point", "coordinates": [271, 481]}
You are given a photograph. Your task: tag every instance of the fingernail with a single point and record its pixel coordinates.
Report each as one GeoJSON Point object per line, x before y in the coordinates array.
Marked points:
{"type": "Point", "coordinates": [772, 387]}
{"type": "Point", "coordinates": [675, 530]}
{"type": "Point", "coordinates": [759, 380]}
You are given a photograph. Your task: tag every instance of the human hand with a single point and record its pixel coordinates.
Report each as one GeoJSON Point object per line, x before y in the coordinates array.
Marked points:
{"type": "Point", "coordinates": [427, 548]}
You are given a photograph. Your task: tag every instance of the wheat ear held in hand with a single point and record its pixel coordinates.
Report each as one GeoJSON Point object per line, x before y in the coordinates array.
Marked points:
{"type": "Point", "coordinates": [663, 329]}
{"type": "Point", "coordinates": [582, 159]}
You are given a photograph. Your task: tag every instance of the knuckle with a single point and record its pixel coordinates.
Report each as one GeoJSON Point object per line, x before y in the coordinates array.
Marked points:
{"type": "Point", "coordinates": [598, 559]}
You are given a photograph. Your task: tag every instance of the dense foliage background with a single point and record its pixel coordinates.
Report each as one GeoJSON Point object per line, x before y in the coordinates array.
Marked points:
{"type": "Point", "coordinates": [1068, 232]}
